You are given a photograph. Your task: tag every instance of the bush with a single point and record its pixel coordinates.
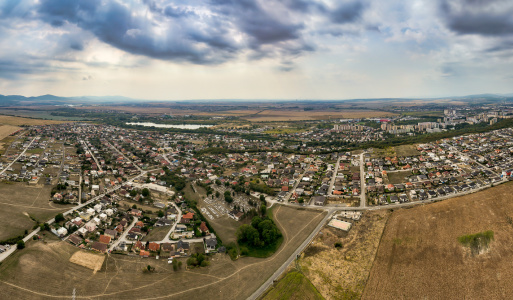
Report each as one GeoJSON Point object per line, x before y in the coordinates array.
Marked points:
{"type": "Point", "coordinates": [338, 245]}
{"type": "Point", "coordinates": [59, 218]}
{"type": "Point", "coordinates": [20, 244]}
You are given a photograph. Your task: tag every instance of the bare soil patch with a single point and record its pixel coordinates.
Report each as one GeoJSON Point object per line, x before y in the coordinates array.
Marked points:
{"type": "Point", "coordinates": [420, 256]}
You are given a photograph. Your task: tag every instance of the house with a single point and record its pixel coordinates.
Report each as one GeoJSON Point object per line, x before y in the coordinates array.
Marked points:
{"type": "Point", "coordinates": [104, 239]}
{"type": "Point", "coordinates": [236, 215]}
{"type": "Point", "coordinates": [100, 247]}
{"type": "Point", "coordinates": [138, 246]}
{"type": "Point", "coordinates": [144, 253]}
{"type": "Point", "coordinates": [111, 233]}
{"type": "Point", "coordinates": [182, 247]}
{"type": "Point", "coordinates": [75, 239]}
{"type": "Point", "coordinates": [210, 244]}
{"type": "Point", "coordinates": [203, 227]}
{"type": "Point", "coordinates": [319, 200]}
{"type": "Point", "coordinates": [167, 247]}
{"type": "Point", "coordinates": [154, 247]}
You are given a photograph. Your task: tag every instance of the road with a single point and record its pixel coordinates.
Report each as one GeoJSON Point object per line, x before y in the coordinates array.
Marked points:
{"type": "Point", "coordinates": [124, 156]}
{"type": "Point", "coordinates": [18, 157]}
{"type": "Point", "coordinates": [166, 239]}
{"type": "Point", "coordinates": [123, 236]}
{"type": "Point", "coordinates": [294, 255]}
{"type": "Point", "coordinates": [333, 178]}
{"type": "Point", "coordinates": [84, 143]}
{"type": "Point", "coordinates": [363, 198]}
{"type": "Point", "coordinates": [51, 221]}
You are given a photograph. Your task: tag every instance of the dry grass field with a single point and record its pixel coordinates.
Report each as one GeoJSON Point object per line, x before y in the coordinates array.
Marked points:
{"type": "Point", "coordinates": [87, 259]}
{"type": "Point", "coordinates": [17, 121]}
{"type": "Point", "coordinates": [420, 256]}
{"type": "Point", "coordinates": [342, 273]}
{"type": "Point", "coordinates": [43, 271]}
{"type": "Point", "coordinates": [19, 202]}
{"type": "Point", "coordinates": [6, 130]}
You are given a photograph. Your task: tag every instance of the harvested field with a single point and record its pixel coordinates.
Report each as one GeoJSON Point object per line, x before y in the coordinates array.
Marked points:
{"type": "Point", "coordinates": [300, 115]}
{"type": "Point", "coordinates": [6, 130]}
{"type": "Point", "coordinates": [88, 260]}
{"type": "Point", "coordinates": [342, 273]}
{"type": "Point", "coordinates": [44, 271]}
{"type": "Point", "coordinates": [420, 256]}
{"type": "Point", "coordinates": [17, 121]}
{"type": "Point", "coordinates": [397, 177]}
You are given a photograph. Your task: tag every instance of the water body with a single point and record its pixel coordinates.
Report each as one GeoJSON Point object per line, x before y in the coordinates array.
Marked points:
{"type": "Point", "coordinates": [183, 126]}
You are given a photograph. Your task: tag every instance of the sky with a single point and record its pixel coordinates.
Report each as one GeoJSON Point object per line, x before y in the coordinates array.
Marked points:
{"type": "Point", "coordinates": [256, 49]}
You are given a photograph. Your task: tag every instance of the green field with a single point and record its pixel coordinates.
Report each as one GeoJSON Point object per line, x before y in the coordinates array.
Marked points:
{"type": "Point", "coordinates": [293, 286]}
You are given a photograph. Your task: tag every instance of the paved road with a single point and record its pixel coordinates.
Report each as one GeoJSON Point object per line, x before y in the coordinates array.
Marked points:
{"type": "Point", "coordinates": [122, 238]}
{"type": "Point", "coordinates": [363, 197]}
{"type": "Point", "coordinates": [18, 157]}
{"type": "Point", "coordinates": [294, 255]}
{"type": "Point", "coordinates": [121, 153]}
{"type": "Point", "coordinates": [333, 178]}
{"type": "Point", "coordinates": [84, 143]}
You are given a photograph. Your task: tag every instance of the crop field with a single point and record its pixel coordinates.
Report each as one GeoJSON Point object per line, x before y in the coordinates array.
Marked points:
{"type": "Point", "coordinates": [420, 256]}
{"type": "Point", "coordinates": [342, 273]}
{"type": "Point", "coordinates": [87, 259]}
{"type": "Point", "coordinates": [17, 121]}
{"type": "Point", "coordinates": [6, 130]}
{"type": "Point", "coordinates": [300, 115]}
{"type": "Point", "coordinates": [19, 203]}
{"type": "Point", "coordinates": [44, 271]}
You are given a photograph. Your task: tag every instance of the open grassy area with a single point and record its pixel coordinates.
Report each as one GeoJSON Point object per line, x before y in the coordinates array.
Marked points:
{"type": "Point", "coordinates": [17, 121]}
{"type": "Point", "coordinates": [293, 286]}
{"type": "Point", "coordinates": [44, 271]}
{"type": "Point", "coordinates": [341, 272]}
{"type": "Point", "coordinates": [398, 177]}
{"type": "Point", "coordinates": [19, 203]}
{"type": "Point", "coordinates": [421, 257]}
{"type": "Point", "coordinates": [157, 234]}
{"type": "Point", "coordinates": [406, 150]}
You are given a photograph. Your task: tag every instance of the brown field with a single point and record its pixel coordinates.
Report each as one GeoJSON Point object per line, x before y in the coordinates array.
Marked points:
{"type": "Point", "coordinates": [43, 271]}
{"type": "Point", "coordinates": [19, 201]}
{"type": "Point", "coordinates": [420, 256]}
{"type": "Point", "coordinates": [157, 233]}
{"type": "Point", "coordinates": [17, 121]}
{"type": "Point", "coordinates": [300, 115]}
{"type": "Point", "coordinates": [342, 274]}
{"type": "Point", "coordinates": [6, 130]}
{"type": "Point", "coordinates": [87, 259]}
{"type": "Point", "coordinates": [406, 150]}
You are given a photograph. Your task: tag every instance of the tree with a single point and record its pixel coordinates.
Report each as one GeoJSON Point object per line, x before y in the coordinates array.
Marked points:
{"type": "Point", "coordinates": [20, 244]}
{"type": "Point", "coordinates": [134, 206]}
{"type": "Point", "coordinates": [217, 194]}
{"type": "Point", "coordinates": [160, 213]}
{"type": "Point", "coordinates": [145, 192]}
{"type": "Point", "coordinates": [262, 198]}
{"type": "Point", "coordinates": [150, 268]}
{"type": "Point", "coordinates": [59, 218]}
{"type": "Point", "coordinates": [263, 209]}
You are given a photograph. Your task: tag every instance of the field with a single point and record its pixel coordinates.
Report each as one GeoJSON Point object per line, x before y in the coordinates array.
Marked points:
{"type": "Point", "coordinates": [38, 114]}
{"type": "Point", "coordinates": [44, 271]}
{"type": "Point", "coordinates": [406, 150]}
{"type": "Point", "coordinates": [342, 273]}
{"type": "Point", "coordinates": [420, 256]}
{"type": "Point", "coordinates": [299, 115]}
{"type": "Point", "coordinates": [397, 177]}
{"type": "Point", "coordinates": [87, 259]}
{"type": "Point", "coordinates": [293, 286]}
{"type": "Point", "coordinates": [17, 121]}
{"type": "Point", "coordinates": [19, 203]}
{"type": "Point", "coordinates": [157, 233]}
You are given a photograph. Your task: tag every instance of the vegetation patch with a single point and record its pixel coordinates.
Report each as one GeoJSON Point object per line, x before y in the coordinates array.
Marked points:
{"type": "Point", "coordinates": [293, 286]}
{"type": "Point", "coordinates": [478, 242]}
{"type": "Point", "coordinates": [261, 238]}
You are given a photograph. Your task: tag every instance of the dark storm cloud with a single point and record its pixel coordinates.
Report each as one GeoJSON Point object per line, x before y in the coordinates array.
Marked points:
{"type": "Point", "coordinates": [347, 12]}
{"type": "Point", "coordinates": [487, 18]}
{"type": "Point", "coordinates": [196, 31]}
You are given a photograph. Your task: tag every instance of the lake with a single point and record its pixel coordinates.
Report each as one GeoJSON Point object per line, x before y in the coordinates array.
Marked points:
{"type": "Point", "coordinates": [183, 126]}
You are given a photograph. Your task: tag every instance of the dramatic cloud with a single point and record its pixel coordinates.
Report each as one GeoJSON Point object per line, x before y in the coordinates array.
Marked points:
{"type": "Point", "coordinates": [395, 47]}
{"type": "Point", "coordinates": [483, 17]}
